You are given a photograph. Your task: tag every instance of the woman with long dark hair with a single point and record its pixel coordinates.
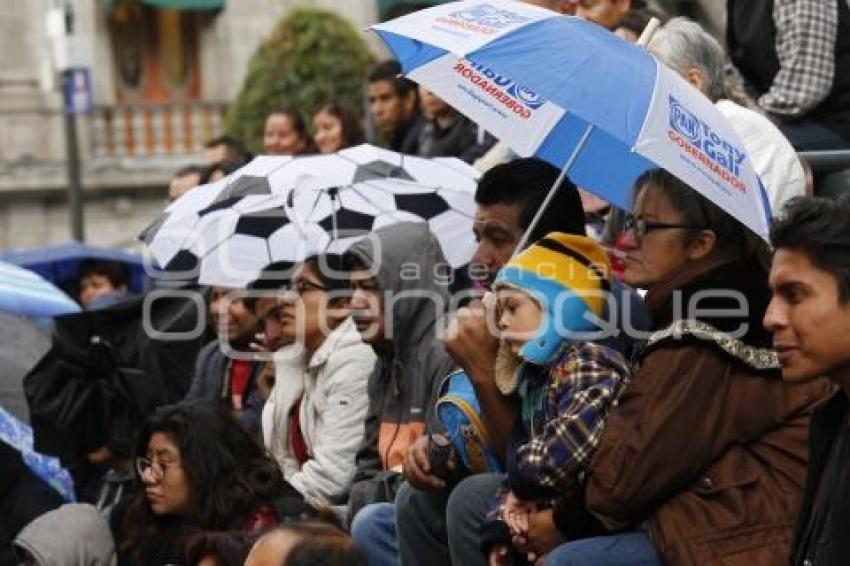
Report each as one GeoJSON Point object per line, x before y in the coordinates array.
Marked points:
{"type": "Point", "coordinates": [199, 470]}
{"type": "Point", "coordinates": [335, 127]}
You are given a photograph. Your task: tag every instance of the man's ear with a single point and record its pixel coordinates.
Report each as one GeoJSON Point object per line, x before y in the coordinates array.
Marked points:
{"type": "Point", "coordinates": [410, 101]}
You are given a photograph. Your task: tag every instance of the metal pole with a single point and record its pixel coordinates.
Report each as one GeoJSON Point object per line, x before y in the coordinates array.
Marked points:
{"type": "Point", "coordinates": [72, 151]}
{"type": "Point", "coordinates": [566, 168]}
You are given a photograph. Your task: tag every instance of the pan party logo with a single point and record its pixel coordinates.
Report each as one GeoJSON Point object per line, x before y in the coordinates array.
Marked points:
{"type": "Point", "coordinates": [701, 142]}
{"type": "Point", "coordinates": [513, 97]}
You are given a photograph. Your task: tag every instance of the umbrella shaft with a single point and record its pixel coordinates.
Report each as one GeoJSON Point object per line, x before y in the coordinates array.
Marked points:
{"type": "Point", "coordinates": [566, 169]}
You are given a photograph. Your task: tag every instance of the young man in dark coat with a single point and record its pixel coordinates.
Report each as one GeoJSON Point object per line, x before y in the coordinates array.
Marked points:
{"type": "Point", "coordinates": [809, 316]}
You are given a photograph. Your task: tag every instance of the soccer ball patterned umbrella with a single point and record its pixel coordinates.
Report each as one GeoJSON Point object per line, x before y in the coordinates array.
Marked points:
{"type": "Point", "coordinates": [283, 209]}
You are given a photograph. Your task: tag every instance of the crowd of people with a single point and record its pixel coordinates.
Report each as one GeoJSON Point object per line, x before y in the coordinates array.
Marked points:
{"type": "Point", "coordinates": [651, 387]}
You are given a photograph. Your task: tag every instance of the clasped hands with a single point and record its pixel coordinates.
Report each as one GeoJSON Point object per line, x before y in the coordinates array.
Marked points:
{"type": "Point", "coordinates": [532, 528]}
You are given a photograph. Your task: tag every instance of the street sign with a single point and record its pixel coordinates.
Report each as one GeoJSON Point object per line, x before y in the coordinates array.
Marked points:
{"type": "Point", "coordinates": [78, 91]}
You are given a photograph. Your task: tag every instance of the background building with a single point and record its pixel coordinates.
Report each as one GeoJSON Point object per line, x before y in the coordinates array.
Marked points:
{"type": "Point", "coordinates": [161, 79]}
{"type": "Point", "coordinates": [162, 74]}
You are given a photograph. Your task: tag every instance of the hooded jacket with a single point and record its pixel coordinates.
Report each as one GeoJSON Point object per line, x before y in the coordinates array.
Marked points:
{"type": "Point", "coordinates": [403, 386]}
{"type": "Point", "coordinates": [73, 535]}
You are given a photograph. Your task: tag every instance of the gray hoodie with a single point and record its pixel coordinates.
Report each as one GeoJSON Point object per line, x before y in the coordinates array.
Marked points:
{"type": "Point", "coordinates": [404, 383]}
{"type": "Point", "coordinates": [73, 535]}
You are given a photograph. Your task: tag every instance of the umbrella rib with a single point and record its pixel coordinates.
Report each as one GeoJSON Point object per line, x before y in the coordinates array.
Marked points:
{"type": "Point", "coordinates": [367, 199]}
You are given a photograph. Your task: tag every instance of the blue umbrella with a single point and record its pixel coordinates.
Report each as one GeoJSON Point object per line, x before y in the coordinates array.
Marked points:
{"type": "Point", "coordinates": [18, 435]}
{"type": "Point", "coordinates": [24, 293]}
{"type": "Point", "coordinates": [60, 263]}
{"type": "Point", "coordinates": [576, 95]}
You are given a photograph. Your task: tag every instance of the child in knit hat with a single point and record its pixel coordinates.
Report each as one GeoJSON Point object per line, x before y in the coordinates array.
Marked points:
{"type": "Point", "coordinates": [549, 299]}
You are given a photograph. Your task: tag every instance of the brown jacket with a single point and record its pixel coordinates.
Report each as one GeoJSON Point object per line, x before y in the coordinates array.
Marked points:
{"type": "Point", "coordinates": [707, 446]}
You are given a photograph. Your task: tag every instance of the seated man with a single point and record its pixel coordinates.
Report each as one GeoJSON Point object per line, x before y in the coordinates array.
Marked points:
{"type": "Point", "coordinates": [314, 435]}
{"type": "Point", "coordinates": [795, 54]}
{"type": "Point", "coordinates": [441, 525]}
{"type": "Point", "coordinates": [397, 298]}
{"type": "Point", "coordinates": [810, 320]}
{"type": "Point", "coordinates": [220, 376]}
{"type": "Point", "coordinates": [447, 133]}
{"type": "Point", "coordinates": [394, 107]}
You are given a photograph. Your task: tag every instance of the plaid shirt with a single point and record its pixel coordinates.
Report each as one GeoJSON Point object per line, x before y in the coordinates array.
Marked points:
{"type": "Point", "coordinates": [805, 46]}
{"type": "Point", "coordinates": [569, 410]}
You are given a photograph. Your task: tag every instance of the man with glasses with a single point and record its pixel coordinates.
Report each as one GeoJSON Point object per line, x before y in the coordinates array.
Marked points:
{"type": "Point", "coordinates": [313, 422]}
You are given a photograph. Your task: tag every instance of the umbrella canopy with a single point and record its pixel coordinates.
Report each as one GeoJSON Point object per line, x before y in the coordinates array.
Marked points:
{"type": "Point", "coordinates": [283, 209]}
{"type": "Point", "coordinates": [60, 263]}
{"type": "Point", "coordinates": [576, 95]}
{"type": "Point", "coordinates": [24, 293]}
{"type": "Point", "coordinates": [22, 344]}
{"type": "Point", "coordinates": [19, 436]}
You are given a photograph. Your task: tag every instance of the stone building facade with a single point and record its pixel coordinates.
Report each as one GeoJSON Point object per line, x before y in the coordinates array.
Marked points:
{"type": "Point", "coordinates": [152, 111]}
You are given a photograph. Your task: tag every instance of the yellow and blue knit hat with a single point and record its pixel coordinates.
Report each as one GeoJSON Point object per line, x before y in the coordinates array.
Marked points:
{"type": "Point", "coordinates": [568, 275]}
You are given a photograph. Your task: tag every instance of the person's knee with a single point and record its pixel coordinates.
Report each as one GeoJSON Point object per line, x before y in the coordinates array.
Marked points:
{"type": "Point", "coordinates": [404, 502]}
{"type": "Point", "coordinates": [372, 521]}
{"type": "Point", "coordinates": [572, 554]}
{"type": "Point", "coordinates": [471, 499]}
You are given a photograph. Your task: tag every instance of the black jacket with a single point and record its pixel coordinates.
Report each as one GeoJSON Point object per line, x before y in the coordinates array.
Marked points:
{"type": "Point", "coordinates": [459, 140]}
{"type": "Point", "coordinates": [833, 547]}
{"type": "Point", "coordinates": [212, 382]}
{"type": "Point", "coordinates": [751, 35]}
{"type": "Point", "coordinates": [105, 373]}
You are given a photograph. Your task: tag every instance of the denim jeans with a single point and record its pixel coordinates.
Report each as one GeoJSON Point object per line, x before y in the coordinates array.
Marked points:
{"type": "Point", "coordinates": [625, 549]}
{"type": "Point", "coordinates": [373, 528]}
{"type": "Point", "coordinates": [443, 528]}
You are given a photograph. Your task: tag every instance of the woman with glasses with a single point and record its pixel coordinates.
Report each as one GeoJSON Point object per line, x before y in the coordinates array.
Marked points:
{"type": "Point", "coordinates": [315, 437]}
{"type": "Point", "coordinates": [199, 471]}
{"type": "Point", "coordinates": [704, 455]}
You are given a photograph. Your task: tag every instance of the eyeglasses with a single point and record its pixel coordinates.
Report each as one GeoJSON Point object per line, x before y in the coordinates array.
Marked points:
{"type": "Point", "coordinates": [302, 286]}
{"type": "Point", "coordinates": [156, 467]}
{"type": "Point", "coordinates": [643, 227]}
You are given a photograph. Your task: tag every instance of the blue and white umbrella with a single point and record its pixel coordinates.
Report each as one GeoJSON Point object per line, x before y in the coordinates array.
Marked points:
{"type": "Point", "coordinates": [576, 95]}
{"type": "Point", "coordinates": [19, 436]}
{"type": "Point", "coordinates": [25, 293]}
{"type": "Point", "coordinates": [60, 263]}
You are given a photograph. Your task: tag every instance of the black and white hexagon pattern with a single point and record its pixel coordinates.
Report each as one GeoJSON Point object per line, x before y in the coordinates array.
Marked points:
{"type": "Point", "coordinates": [284, 209]}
